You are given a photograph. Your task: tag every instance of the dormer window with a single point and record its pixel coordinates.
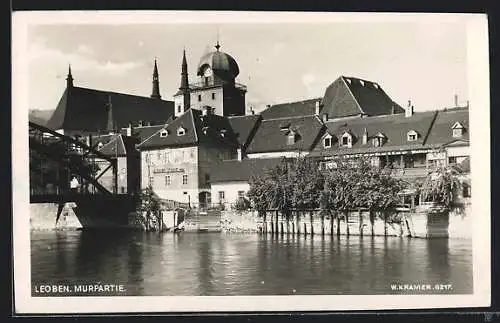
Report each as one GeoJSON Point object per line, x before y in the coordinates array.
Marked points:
{"type": "Point", "coordinates": [285, 127]}
{"type": "Point", "coordinates": [458, 130]}
{"type": "Point", "coordinates": [362, 82]}
{"type": "Point", "coordinates": [378, 140]}
{"type": "Point", "coordinates": [163, 133]}
{"type": "Point", "coordinates": [181, 131]}
{"type": "Point", "coordinates": [223, 133]}
{"type": "Point", "coordinates": [99, 145]}
{"type": "Point", "coordinates": [346, 140]}
{"type": "Point", "coordinates": [412, 135]}
{"type": "Point", "coordinates": [327, 141]}
{"type": "Point", "coordinates": [205, 130]}
{"type": "Point", "coordinates": [291, 137]}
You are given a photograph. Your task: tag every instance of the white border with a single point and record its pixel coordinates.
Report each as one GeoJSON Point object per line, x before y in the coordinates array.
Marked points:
{"type": "Point", "coordinates": [478, 76]}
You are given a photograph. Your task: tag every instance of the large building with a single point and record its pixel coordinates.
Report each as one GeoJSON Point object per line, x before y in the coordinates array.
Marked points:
{"type": "Point", "coordinates": [201, 148]}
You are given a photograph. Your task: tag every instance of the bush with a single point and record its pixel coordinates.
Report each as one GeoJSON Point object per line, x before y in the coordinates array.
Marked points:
{"type": "Point", "coordinates": [242, 204]}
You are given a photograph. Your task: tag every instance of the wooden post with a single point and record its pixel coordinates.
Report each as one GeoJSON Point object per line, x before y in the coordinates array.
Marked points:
{"type": "Point", "coordinates": [311, 221]}
{"type": "Point", "coordinates": [338, 225]}
{"type": "Point", "coordinates": [331, 223]}
{"type": "Point", "coordinates": [360, 213]}
{"type": "Point", "coordinates": [372, 222]}
{"type": "Point", "coordinates": [298, 221]}
{"type": "Point", "coordinates": [346, 218]}
{"type": "Point", "coordinates": [305, 229]}
{"type": "Point", "coordinates": [276, 221]}
{"type": "Point", "coordinates": [385, 223]}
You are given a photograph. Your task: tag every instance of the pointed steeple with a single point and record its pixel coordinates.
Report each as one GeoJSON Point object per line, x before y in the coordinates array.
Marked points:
{"type": "Point", "coordinates": [217, 47]}
{"type": "Point", "coordinates": [111, 126]}
{"type": "Point", "coordinates": [155, 94]}
{"type": "Point", "coordinates": [69, 78]}
{"type": "Point", "coordinates": [184, 73]}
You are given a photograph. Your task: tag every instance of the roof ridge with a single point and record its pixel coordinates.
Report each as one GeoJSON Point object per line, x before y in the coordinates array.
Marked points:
{"type": "Point", "coordinates": [292, 117]}
{"type": "Point", "coordinates": [120, 93]}
{"type": "Point", "coordinates": [352, 94]}
{"type": "Point", "coordinates": [300, 101]}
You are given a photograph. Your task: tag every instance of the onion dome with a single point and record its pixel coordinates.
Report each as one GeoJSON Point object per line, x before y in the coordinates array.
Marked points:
{"type": "Point", "coordinates": [222, 64]}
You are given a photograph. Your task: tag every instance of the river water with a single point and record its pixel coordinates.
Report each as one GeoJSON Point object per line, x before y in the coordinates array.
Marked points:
{"type": "Point", "coordinates": [192, 264]}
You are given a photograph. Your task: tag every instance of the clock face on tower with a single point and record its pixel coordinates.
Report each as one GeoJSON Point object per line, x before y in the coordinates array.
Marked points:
{"type": "Point", "coordinates": [207, 72]}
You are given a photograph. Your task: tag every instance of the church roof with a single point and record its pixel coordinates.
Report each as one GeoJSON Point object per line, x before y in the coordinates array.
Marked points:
{"type": "Point", "coordinates": [350, 96]}
{"type": "Point", "coordinates": [291, 109]}
{"type": "Point", "coordinates": [84, 109]}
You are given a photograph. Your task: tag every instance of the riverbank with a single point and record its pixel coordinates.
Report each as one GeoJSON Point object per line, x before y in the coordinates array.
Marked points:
{"type": "Point", "coordinates": [419, 225]}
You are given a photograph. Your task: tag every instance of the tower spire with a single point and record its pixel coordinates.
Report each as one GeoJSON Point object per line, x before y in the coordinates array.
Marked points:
{"type": "Point", "coordinates": [155, 94]}
{"type": "Point", "coordinates": [217, 46]}
{"type": "Point", "coordinates": [69, 78]}
{"type": "Point", "coordinates": [184, 74]}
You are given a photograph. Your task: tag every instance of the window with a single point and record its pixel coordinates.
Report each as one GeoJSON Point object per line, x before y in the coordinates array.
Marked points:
{"type": "Point", "coordinates": [179, 108]}
{"type": "Point", "coordinates": [99, 145]}
{"type": "Point", "coordinates": [452, 160]}
{"type": "Point", "coordinates": [207, 178]}
{"type": "Point", "coordinates": [412, 135]}
{"type": "Point", "coordinates": [184, 179]}
{"type": "Point", "coordinates": [158, 156]}
{"type": "Point", "coordinates": [241, 194]}
{"type": "Point", "coordinates": [222, 195]}
{"type": "Point", "coordinates": [213, 96]}
{"type": "Point", "coordinates": [327, 142]}
{"type": "Point", "coordinates": [345, 140]}
{"type": "Point", "coordinates": [163, 133]}
{"type": "Point", "coordinates": [168, 180]}
{"type": "Point", "coordinates": [465, 190]}
{"type": "Point", "coordinates": [181, 131]}
{"type": "Point", "coordinates": [291, 138]}
{"type": "Point", "coordinates": [457, 133]}
{"type": "Point", "coordinates": [199, 97]}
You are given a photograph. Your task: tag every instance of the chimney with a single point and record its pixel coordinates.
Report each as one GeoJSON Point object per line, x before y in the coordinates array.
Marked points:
{"type": "Point", "coordinates": [129, 130]}
{"type": "Point", "coordinates": [140, 123]}
{"type": "Point", "coordinates": [239, 153]}
{"type": "Point", "coordinates": [89, 140]}
{"type": "Point", "coordinates": [456, 100]}
{"type": "Point", "coordinates": [325, 117]}
{"type": "Point", "coordinates": [317, 108]}
{"type": "Point", "coordinates": [365, 137]}
{"type": "Point", "coordinates": [409, 109]}
{"type": "Point", "coordinates": [467, 103]}
{"type": "Point", "coordinates": [392, 109]}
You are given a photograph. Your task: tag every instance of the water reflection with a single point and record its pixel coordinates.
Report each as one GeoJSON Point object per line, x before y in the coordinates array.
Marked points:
{"type": "Point", "coordinates": [240, 264]}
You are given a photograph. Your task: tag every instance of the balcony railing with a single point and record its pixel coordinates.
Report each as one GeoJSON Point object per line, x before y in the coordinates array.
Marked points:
{"type": "Point", "coordinates": [409, 172]}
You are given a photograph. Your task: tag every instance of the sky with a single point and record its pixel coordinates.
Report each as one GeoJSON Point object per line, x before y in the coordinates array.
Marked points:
{"type": "Point", "coordinates": [422, 60]}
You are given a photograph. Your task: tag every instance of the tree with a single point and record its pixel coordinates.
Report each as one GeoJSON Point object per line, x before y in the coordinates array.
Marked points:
{"type": "Point", "coordinates": [440, 187]}
{"type": "Point", "coordinates": [150, 205]}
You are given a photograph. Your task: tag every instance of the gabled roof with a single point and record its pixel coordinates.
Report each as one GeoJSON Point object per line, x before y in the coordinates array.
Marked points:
{"type": "Point", "coordinates": [442, 130]}
{"type": "Point", "coordinates": [236, 171]}
{"type": "Point", "coordinates": [84, 109]}
{"type": "Point", "coordinates": [198, 129]}
{"type": "Point", "coordinates": [271, 138]}
{"type": "Point", "coordinates": [393, 127]}
{"type": "Point", "coordinates": [244, 128]}
{"type": "Point", "coordinates": [350, 96]}
{"type": "Point", "coordinates": [291, 109]}
{"type": "Point", "coordinates": [114, 144]}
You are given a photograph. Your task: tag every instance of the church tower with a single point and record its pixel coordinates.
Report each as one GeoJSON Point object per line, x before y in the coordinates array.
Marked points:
{"type": "Point", "coordinates": [182, 99]}
{"type": "Point", "coordinates": [216, 89]}
{"type": "Point", "coordinates": [155, 94]}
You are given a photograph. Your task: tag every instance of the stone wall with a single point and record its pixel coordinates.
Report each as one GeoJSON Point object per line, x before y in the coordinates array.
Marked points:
{"type": "Point", "coordinates": [43, 216]}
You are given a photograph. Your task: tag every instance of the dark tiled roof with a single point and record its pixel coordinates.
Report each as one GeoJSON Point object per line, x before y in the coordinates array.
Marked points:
{"type": "Point", "coordinates": [348, 96]}
{"type": "Point", "coordinates": [441, 132]}
{"type": "Point", "coordinates": [393, 127]}
{"type": "Point", "coordinates": [244, 127]}
{"type": "Point", "coordinates": [272, 134]}
{"type": "Point", "coordinates": [206, 129]}
{"type": "Point", "coordinates": [291, 109]}
{"type": "Point", "coordinates": [113, 145]}
{"type": "Point", "coordinates": [235, 170]}
{"type": "Point", "coordinates": [87, 110]}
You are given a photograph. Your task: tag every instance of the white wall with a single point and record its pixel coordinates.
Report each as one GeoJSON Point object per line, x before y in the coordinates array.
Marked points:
{"type": "Point", "coordinates": [458, 151]}
{"type": "Point", "coordinates": [230, 190]}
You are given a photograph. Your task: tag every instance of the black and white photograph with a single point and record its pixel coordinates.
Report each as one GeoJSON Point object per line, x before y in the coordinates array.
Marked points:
{"type": "Point", "coordinates": [244, 161]}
